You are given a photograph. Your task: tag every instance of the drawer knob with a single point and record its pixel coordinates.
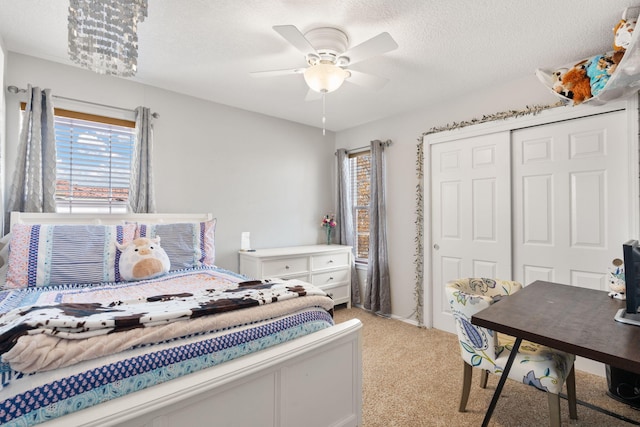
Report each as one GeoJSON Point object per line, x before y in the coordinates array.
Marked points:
{"type": "Point", "coordinates": [330, 278]}
{"type": "Point", "coordinates": [330, 261]}
{"type": "Point", "coordinates": [286, 267]}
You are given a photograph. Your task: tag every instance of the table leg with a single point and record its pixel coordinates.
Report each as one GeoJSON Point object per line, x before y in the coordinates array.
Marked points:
{"type": "Point", "coordinates": [503, 379]}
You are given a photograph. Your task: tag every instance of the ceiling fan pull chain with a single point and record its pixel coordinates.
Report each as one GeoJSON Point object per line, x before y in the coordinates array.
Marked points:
{"type": "Point", "coordinates": [324, 118]}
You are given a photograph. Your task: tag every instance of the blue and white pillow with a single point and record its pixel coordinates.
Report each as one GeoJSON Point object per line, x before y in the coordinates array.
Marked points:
{"type": "Point", "coordinates": [45, 254]}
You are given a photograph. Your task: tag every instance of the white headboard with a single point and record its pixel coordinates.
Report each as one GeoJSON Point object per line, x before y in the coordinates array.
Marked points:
{"type": "Point", "coordinates": [60, 218]}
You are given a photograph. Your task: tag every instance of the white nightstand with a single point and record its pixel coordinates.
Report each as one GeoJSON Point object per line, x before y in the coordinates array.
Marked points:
{"type": "Point", "coordinates": [325, 266]}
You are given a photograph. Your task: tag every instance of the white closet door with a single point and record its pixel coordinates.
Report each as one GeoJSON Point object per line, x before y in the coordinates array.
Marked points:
{"type": "Point", "coordinates": [471, 214]}
{"type": "Point", "coordinates": [571, 207]}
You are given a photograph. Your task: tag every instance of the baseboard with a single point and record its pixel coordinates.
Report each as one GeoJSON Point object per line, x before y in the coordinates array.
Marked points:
{"type": "Point", "coordinates": [590, 366]}
{"type": "Point", "coordinates": [393, 316]}
{"type": "Point", "coordinates": [405, 320]}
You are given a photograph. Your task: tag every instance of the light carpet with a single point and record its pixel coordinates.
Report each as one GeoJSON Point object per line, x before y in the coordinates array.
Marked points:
{"type": "Point", "coordinates": [412, 377]}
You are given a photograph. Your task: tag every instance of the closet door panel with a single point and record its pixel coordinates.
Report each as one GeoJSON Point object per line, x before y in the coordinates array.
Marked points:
{"type": "Point", "coordinates": [531, 273]}
{"type": "Point", "coordinates": [484, 209]}
{"type": "Point", "coordinates": [570, 200]}
{"type": "Point", "coordinates": [537, 202]}
{"type": "Point", "coordinates": [471, 218]}
{"type": "Point", "coordinates": [588, 204]}
{"type": "Point", "coordinates": [450, 209]}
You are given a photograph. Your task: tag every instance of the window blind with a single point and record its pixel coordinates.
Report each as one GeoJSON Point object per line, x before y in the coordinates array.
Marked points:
{"type": "Point", "coordinates": [93, 165]}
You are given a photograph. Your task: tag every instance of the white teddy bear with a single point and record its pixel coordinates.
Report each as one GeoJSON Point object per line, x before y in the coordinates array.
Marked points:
{"type": "Point", "coordinates": [142, 258]}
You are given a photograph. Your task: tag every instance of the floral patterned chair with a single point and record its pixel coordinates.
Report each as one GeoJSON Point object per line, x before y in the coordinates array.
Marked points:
{"type": "Point", "coordinates": [536, 365]}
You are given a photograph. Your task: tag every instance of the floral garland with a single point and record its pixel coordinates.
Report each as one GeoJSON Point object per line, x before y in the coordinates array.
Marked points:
{"type": "Point", "coordinates": [419, 239]}
{"type": "Point", "coordinates": [503, 115]}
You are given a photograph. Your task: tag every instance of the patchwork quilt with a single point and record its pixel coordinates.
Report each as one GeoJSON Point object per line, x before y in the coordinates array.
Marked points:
{"type": "Point", "coordinates": [62, 325]}
{"type": "Point", "coordinates": [64, 348]}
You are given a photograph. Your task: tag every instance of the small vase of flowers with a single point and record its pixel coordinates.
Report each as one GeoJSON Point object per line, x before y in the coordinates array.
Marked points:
{"type": "Point", "coordinates": [329, 224]}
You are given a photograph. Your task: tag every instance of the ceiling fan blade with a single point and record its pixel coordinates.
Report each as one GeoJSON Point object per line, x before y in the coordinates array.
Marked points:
{"type": "Point", "coordinates": [272, 73]}
{"type": "Point", "coordinates": [367, 80]}
{"type": "Point", "coordinates": [377, 45]}
{"type": "Point", "coordinates": [296, 38]}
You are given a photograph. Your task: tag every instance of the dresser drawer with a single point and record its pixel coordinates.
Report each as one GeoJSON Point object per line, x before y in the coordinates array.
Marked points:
{"type": "Point", "coordinates": [330, 277]}
{"type": "Point", "coordinates": [302, 276]}
{"type": "Point", "coordinates": [340, 294]}
{"type": "Point", "coordinates": [322, 261]}
{"type": "Point", "coordinates": [284, 267]}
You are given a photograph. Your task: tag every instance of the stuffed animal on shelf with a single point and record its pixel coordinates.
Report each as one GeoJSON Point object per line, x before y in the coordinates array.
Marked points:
{"type": "Point", "coordinates": [142, 258]}
{"type": "Point", "coordinates": [575, 84]}
{"type": "Point", "coordinates": [557, 79]}
{"type": "Point", "coordinates": [599, 69]}
{"type": "Point", "coordinates": [623, 32]}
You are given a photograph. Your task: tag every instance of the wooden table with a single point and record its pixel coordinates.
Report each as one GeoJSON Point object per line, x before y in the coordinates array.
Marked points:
{"type": "Point", "coordinates": [576, 320]}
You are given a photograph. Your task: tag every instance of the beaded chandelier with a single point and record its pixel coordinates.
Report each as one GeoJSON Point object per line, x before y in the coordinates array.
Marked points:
{"type": "Point", "coordinates": [103, 35]}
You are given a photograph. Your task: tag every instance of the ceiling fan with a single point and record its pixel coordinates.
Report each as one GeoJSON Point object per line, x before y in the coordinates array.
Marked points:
{"type": "Point", "coordinates": [327, 53]}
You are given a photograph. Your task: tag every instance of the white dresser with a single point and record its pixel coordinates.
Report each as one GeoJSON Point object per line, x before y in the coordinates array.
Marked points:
{"type": "Point", "coordinates": [325, 266]}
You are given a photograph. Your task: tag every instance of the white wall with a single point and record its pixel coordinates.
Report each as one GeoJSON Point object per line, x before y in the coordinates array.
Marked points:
{"type": "Point", "coordinates": [3, 60]}
{"type": "Point", "coordinates": [267, 176]}
{"type": "Point", "coordinates": [405, 131]}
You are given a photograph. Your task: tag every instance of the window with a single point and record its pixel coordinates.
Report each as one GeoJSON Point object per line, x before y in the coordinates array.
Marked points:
{"type": "Point", "coordinates": [93, 162]}
{"type": "Point", "coordinates": [360, 172]}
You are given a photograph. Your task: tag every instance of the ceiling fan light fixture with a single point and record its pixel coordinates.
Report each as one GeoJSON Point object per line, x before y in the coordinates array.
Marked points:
{"type": "Point", "coordinates": [325, 78]}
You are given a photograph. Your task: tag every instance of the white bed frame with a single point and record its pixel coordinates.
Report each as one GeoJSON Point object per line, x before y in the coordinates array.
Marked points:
{"type": "Point", "coordinates": [315, 380]}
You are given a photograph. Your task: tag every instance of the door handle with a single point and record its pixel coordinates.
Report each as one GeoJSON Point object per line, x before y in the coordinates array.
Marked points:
{"type": "Point", "coordinates": [436, 246]}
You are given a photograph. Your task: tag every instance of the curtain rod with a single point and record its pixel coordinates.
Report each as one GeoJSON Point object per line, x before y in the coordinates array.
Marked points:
{"type": "Point", "coordinates": [15, 90]}
{"type": "Point", "coordinates": [387, 143]}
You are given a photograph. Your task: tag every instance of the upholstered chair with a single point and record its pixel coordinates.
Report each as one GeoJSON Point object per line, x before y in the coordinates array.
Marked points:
{"type": "Point", "coordinates": [541, 367]}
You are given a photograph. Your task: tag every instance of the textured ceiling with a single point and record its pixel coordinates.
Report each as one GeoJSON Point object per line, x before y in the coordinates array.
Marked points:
{"type": "Point", "coordinates": [447, 48]}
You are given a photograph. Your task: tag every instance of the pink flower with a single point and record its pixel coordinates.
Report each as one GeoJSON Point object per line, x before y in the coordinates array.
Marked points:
{"type": "Point", "coordinates": [329, 221]}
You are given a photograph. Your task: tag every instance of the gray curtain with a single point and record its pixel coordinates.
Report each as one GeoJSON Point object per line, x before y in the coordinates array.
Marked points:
{"type": "Point", "coordinates": [378, 290]}
{"type": "Point", "coordinates": [345, 218]}
{"type": "Point", "coordinates": [141, 192]}
{"type": "Point", "coordinates": [34, 180]}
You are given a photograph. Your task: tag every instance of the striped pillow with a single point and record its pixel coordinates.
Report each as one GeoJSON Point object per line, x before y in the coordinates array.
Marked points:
{"type": "Point", "coordinates": [42, 254]}
{"type": "Point", "coordinates": [188, 244]}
